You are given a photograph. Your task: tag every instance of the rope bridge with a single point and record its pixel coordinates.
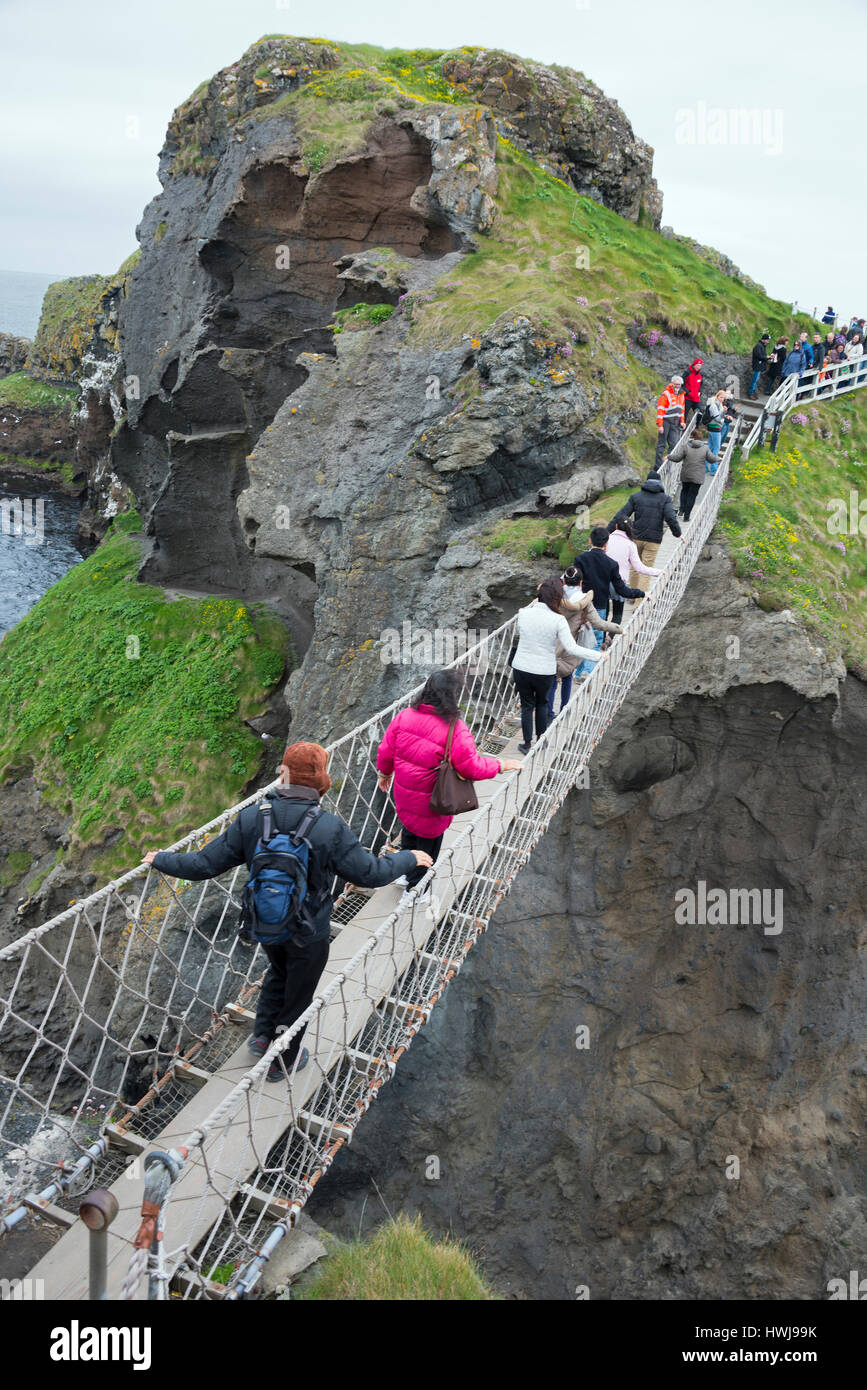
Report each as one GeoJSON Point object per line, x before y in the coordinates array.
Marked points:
{"type": "Point", "coordinates": [124, 1020]}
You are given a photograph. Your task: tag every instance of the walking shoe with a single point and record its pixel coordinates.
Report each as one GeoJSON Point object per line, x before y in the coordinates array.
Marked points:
{"type": "Point", "coordinates": [523, 748]}
{"type": "Point", "coordinates": [258, 1046]}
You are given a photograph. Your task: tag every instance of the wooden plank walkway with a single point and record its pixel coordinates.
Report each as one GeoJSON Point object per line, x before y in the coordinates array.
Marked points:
{"type": "Point", "coordinates": [231, 1152]}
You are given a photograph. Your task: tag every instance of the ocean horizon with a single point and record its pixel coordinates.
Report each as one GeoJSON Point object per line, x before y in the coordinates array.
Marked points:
{"type": "Point", "coordinates": [21, 295]}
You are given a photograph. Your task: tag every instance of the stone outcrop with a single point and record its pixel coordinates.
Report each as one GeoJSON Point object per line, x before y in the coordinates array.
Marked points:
{"type": "Point", "coordinates": [41, 440]}
{"type": "Point", "coordinates": [13, 353]}
{"type": "Point", "coordinates": [366, 497]}
{"type": "Point", "coordinates": [69, 310]}
{"type": "Point", "coordinates": [567, 123]}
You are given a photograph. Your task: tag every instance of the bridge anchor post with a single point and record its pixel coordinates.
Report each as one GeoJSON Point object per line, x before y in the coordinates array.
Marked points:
{"type": "Point", "coordinates": [97, 1210]}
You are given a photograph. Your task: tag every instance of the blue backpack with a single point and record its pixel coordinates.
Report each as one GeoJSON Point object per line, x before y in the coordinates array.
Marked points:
{"type": "Point", "coordinates": [274, 896]}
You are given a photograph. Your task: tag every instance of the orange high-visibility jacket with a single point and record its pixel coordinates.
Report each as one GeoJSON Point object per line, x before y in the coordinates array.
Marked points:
{"type": "Point", "coordinates": [669, 406]}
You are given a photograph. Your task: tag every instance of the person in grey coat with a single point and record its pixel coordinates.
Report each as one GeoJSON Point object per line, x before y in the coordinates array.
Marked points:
{"type": "Point", "coordinates": [692, 454]}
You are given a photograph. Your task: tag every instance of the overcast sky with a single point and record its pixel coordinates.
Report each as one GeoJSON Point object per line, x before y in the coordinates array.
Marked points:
{"type": "Point", "coordinates": [88, 88]}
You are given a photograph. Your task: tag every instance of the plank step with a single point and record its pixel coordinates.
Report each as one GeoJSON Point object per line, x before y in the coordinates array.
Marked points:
{"type": "Point", "coordinates": [124, 1139]}
{"type": "Point", "coordinates": [254, 1197]}
{"type": "Point", "coordinates": [189, 1075]}
{"type": "Point", "coordinates": [52, 1213]}
{"type": "Point", "coordinates": [317, 1125]}
{"type": "Point", "coordinates": [235, 1013]}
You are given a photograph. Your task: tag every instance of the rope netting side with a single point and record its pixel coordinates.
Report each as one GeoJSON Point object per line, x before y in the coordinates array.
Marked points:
{"type": "Point", "coordinates": [266, 1146]}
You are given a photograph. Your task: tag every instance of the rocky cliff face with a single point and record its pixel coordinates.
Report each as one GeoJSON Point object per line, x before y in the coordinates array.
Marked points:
{"type": "Point", "coordinates": [75, 349]}
{"type": "Point", "coordinates": [568, 124]}
{"type": "Point", "coordinates": [611, 1165]}
{"type": "Point", "coordinates": [13, 353]}
{"type": "Point", "coordinates": [253, 246]}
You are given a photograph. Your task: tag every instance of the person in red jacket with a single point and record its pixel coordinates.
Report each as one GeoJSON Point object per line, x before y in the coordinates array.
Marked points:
{"type": "Point", "coordinates": [669, 417]}
{"type": "Point", "coordinates": [692, 388]}
{"type": "Point", "coordinates": [411, 752]}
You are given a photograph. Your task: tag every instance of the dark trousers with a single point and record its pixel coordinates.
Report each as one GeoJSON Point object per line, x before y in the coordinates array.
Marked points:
{"type": "Point", "coordinates": [688, 493]}
{"type": "Point", "coordinates": [617, 606]}
{"type": "Point", "coordinates": [533, 691]}
{"type": "Point", "coordinates": [690, 409]}
{"type": "Point", "coordinates": [666, 441]}
{"type": "Point", "coordinates": [409, 840]}
{"type": "Point", "coordinates": [565, 692]}
{"type": "Point", "coordinates": [288, 989]}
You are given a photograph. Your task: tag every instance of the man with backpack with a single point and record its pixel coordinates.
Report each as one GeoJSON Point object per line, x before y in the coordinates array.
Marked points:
{"type": "Point", "coordinates": [669, 417]}
{"type": "Point", "coordinates": [293, 849]}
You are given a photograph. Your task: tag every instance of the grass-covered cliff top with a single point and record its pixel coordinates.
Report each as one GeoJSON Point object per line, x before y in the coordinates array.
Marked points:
{"type": "Point", "coordinates": [795, 527]}
{"type": "Point", "coordinates": [71, 312]}
{"type": "Point", "coordinates": [128, 709]}
{"type": "Point", "coordinates": [27, 393]}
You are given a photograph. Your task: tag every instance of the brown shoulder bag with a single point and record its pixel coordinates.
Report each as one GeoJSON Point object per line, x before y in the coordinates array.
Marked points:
{"type": "Point", "coordinates": [452, 793]}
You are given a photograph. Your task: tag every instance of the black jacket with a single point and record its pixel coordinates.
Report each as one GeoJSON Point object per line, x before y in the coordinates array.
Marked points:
{"type": "Point", "coordinates": [599, 571]}
{"type": "Point", "coordinates": [819, 350]}
{"type": "Point", "coordinates": [760, 357]}
{"type": "Point", "coordinates": [335, 850]}
{"type": "Point", "coordinates": [651, 509]}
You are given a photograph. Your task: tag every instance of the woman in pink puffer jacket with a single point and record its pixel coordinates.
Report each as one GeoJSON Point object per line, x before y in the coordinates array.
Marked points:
{"type": "Point", "coordinates": [411, 752]}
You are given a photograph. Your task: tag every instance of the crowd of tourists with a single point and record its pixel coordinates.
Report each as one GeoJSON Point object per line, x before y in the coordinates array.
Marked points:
{"type": "Point", "coordinates": [295, 849]}
{"type": "Point", "coordinates": [805, 352]}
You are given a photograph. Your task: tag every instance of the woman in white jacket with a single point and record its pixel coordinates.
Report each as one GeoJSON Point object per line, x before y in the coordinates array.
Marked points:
{"type": "Point", "coordinates": [541, 625]}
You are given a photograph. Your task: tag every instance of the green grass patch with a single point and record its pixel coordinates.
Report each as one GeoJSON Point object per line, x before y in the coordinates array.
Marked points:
{"type": "Point", "coordinates": [636, 278]}
{"type": "Point", "coordinates": [558, 538]}
{"type": "Point", "coordinates": [14, 867]}
{"type": "Point", "coordinates": [333, 111]}
{"type": "Point", "coordinates": [37, 880]}
{"type": "Point", "coordinates": [794, 525]}
{"type": "Point", "coordinates": [22, 463]}
{"type": "Point", "coordinates": [22, 390]}
{"type": "Point", "coordinates": [129, 707]}
{"type": "Point", "coordinates": [362, 316]}
{"type": "Point", "coordinates": [400, 1261]}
